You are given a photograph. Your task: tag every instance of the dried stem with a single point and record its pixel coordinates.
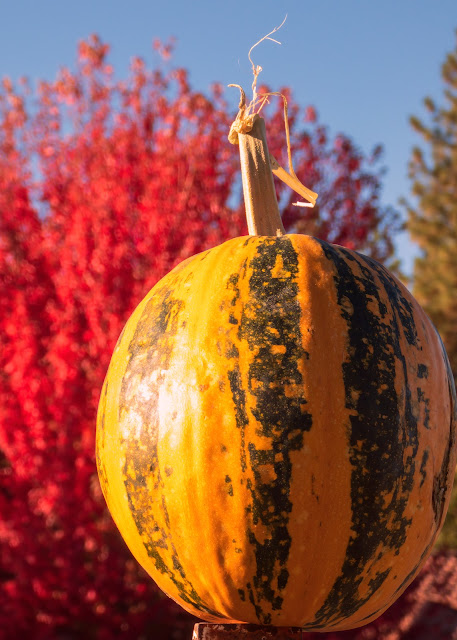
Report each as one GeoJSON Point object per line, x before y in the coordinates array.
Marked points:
{"type": "Point", "coordinates": [262, 212]}
{"type": "Point", "coordinates": [256, 69]}
{"type": "Point", "coordinates": [257, 166]}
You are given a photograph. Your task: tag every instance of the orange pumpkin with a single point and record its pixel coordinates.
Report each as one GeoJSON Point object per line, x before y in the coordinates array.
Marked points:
{"type": "Point", "coordinates": [276, 434]}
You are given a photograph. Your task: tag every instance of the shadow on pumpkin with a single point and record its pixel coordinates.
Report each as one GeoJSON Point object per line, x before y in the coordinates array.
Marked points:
{"type": "Point", "coordinates": [427, 609]}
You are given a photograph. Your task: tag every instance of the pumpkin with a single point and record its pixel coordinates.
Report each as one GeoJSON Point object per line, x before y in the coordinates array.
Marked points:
{"type": "Point", "coordinates": [276, 432]}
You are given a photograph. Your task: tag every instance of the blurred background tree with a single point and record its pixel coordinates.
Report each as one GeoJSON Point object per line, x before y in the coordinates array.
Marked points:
{"type": "Point", "coordinates": [105, 185]}
{"type": "Point", "coordinates": [432, 219]}
{"type": "Point", "coordinates": [432, 224]}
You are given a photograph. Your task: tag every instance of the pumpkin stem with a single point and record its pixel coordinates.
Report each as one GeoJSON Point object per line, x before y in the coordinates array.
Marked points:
{"type": "Point", "coordinates": [262, 212]}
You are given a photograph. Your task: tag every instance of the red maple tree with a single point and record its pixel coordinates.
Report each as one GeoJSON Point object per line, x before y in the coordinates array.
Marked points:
{"type": "Point", "coordinates": [105, 185]}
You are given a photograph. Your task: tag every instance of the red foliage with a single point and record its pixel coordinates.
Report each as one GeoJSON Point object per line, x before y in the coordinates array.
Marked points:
{"type": "Point", "coordinates": [104, 186]}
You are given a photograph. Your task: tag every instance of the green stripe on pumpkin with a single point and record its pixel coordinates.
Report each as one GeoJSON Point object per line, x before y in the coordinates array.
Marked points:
{"type": "Point", "coordinates": [380, 434]}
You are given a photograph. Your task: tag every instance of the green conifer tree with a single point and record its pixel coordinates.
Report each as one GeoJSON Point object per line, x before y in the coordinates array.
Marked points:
{"type": "Point", "coordinates": [432, 224]}
{"type": "Point", "coordinates": [432, 220]}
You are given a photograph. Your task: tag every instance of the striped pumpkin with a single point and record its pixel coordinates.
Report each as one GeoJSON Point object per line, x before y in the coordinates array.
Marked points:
{"type": "Point", "coordinates": [276, 434]}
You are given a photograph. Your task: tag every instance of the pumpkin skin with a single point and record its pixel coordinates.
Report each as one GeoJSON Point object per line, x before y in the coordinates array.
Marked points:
{"type": "Point", "coordinates": [276, 434]}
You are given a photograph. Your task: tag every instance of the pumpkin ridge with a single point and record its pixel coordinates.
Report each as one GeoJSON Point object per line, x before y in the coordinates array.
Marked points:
{"type": "Point", "coordinates": [101, 437]}
{"type": "Point", "coordinates": [442, 478]}
{"type": "Point", "coordinates": [370, 382]}
{"type": "Point", "coordinates": [270, 326]}
{"type": "Point", "coordinates": [402, 586]}
{"type": "Point", "coordinates": [157, 326]}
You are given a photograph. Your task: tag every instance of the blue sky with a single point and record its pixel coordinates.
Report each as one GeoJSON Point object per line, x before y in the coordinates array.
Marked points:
{"type": "Point", "coordinates": [366, 65]}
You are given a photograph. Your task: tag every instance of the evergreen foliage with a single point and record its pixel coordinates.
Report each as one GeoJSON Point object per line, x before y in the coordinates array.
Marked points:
{"type": "Point", "coordinates": [432, 219]}
{"type": "Point", "coordinates": [432, 224]}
